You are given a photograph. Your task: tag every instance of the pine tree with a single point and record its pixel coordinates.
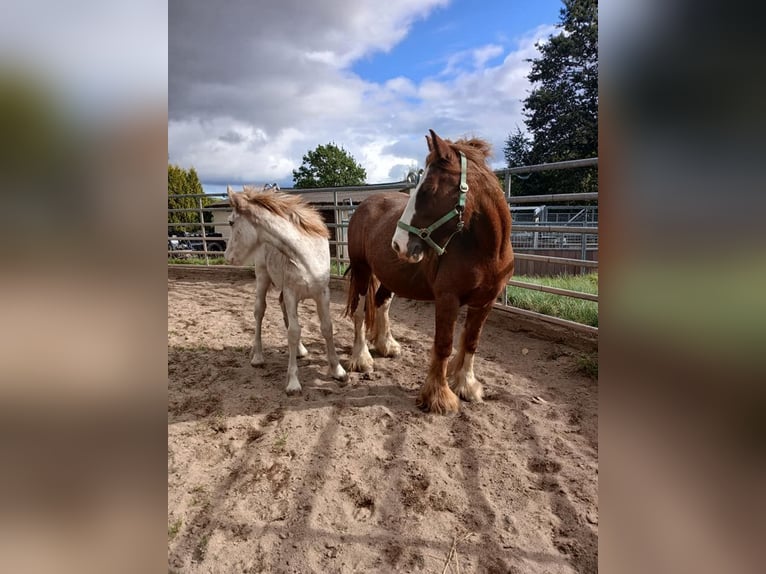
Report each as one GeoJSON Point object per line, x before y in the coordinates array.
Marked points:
{"type": "Point", "coordinates": [561, 111]}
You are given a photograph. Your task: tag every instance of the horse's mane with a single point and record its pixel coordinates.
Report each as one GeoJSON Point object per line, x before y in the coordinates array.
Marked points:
{"type": "Point", "coordinates": [476, 150]}
{"type": "Point", "coordinates": [293, 208]}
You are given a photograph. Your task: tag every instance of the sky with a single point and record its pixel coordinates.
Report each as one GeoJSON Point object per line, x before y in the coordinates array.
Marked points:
{"type": "Point", "coordinates": [254, 85]}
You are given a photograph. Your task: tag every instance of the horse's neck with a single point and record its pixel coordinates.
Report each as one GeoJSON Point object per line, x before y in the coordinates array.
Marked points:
{"type": "Point", "coordinates": [491, 230]}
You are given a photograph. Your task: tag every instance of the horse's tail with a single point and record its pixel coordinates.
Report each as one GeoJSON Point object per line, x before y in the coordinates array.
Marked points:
{"type": "Point", "coordinates": [369, 304]}
{"type": "Point", "coordinates": [355, 289]}
{"type": "Point", "coordinates": [353, 293]}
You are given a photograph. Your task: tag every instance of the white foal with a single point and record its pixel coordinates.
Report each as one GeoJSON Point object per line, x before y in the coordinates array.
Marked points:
{"type": "Point", "coordinates": [288, 241]}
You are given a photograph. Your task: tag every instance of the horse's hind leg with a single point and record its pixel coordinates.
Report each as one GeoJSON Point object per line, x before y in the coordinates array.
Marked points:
{"type": "Point", "coordinates": [336, 371]}
{"type": "Point", "coordinates": [302, 351]}
{"type": "Point", "coordinates": [360, 284]}
{"type": "Point", "coordinates": [262, 283]}
{"type": "Point", "coordinates": [460, 368]}
{"type": "Point", "coordinates": [293, 339]}
{"type": "Point", "coordinates": [382, 340]}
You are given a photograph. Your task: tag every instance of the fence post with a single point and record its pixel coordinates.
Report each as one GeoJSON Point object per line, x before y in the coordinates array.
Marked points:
{"type": "Point", "coordinates": [204, 237]}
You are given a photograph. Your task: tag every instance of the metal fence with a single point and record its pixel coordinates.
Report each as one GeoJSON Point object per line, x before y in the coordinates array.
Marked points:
{"type": "Point", "coordinates": [553, 237]}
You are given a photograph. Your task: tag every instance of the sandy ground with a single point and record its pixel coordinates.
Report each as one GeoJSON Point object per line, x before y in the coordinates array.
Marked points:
{"type": "Point", "coordinates": [354, 478]}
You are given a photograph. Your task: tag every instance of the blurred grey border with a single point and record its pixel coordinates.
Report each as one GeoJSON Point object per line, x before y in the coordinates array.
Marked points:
{"type": "Point", "coordinates": [83, 296]}
{"type": "Point", "coordinates": [683, 312]}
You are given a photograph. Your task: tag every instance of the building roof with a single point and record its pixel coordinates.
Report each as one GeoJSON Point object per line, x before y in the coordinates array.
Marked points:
{"type": "Point", "coordinates": [327, 195]}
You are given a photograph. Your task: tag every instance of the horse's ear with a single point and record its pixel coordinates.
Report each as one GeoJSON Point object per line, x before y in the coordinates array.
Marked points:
{"type": "Point", "coordinates": [235, 199]}
{"type": "Point", "coordinates": [430, 145]}
{"type": "Point", "coordinates": [443, 150]}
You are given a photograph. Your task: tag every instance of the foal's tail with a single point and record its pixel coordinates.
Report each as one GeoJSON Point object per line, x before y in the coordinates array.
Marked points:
{"type": "Point", "coordinates": [356, 288]}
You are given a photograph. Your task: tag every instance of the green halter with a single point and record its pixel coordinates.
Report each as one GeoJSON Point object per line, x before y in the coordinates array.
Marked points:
{"type": "Point", "coordinates": [457, 211]}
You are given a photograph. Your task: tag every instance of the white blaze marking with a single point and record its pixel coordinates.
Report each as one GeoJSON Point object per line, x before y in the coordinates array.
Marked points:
{"type": "Point", "coordinates": [401, 237]}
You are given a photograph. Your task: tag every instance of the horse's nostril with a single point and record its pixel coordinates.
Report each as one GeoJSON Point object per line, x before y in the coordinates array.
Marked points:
{"type": "Point", "coordinates": [395, 246]}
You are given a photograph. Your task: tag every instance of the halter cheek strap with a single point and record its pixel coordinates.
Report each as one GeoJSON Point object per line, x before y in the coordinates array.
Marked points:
{"type": "Point", "coordinates": [425, 232]}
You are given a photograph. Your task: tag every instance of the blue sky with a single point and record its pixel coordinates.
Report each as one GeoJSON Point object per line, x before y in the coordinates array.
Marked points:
{"type": "Point", "coordinates": [454, 29]}
{"type": "Point", "coordinates": [281, 78]}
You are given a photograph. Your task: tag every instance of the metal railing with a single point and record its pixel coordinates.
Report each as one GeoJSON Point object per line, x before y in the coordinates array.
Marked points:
{"type": "Point", "coordinates": [576, 232]}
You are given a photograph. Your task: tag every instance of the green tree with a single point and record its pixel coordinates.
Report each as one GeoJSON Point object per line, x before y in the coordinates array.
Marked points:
{"type": "Point", "coordinates": [181, 183]}
{"type": "Point", "coordinates": [561, 111]}
{"type": "Point", "coordinates": [328, 166]}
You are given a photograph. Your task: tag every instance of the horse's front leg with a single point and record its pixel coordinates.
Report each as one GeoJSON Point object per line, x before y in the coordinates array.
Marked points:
{"type": "Point", "coordinates": [436, 396]}
{"type": "Point", "coordinates": [460, 368]}
{"type": "Point", "coordinates": [293, 338]}
{"type": "Point", "coordinates": [262, 283]}
{"type": "Point", "coordinates": [323, 310]}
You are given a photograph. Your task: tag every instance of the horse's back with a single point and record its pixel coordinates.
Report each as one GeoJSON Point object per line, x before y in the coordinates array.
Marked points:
{"type": "Point", "coordinates": [373, 219]}
{"type": "Point", "coordinates": [305, 279]}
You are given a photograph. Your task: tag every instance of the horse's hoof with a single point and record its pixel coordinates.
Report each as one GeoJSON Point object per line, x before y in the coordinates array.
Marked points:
{"type": "Point", "coordinates": [356, 367]}
{"type": "Point", "coordinates": [441, 401]}
{"type": "Point", "coordinates": [363, 364]}
{"type": "Point", "coordinates": [257, 361]}
{"type": "Point", "coordinates": [472, 392]}
{"type": "Point", "coordinates": [391, 349]}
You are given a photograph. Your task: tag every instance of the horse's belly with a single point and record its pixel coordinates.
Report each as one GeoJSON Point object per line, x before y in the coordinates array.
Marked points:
{"type": "Point", "coordinates": [405, 280]}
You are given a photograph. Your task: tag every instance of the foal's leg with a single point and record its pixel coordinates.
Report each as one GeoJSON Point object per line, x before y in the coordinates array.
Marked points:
{"type": "Point", "coordinates": [436, 396]}
{"type": "Point", "coordinates": [262, 283]}
{"type": "Point", "coordinates": [382, 339]}
{"type": "Point", "coordinates": [361, 360]}
{"type": "Point", "coordinates": [336, 371]}
{"type": "Point", "coordinates": [293, 338]}
{"type": "Point", "coordinates": [461, 366]}
{"type": "Point", "coordinates": [302, 351]}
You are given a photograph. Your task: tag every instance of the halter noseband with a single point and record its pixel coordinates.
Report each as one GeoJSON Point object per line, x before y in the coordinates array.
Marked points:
{"type": "Point", "coordinates": [425, 232]}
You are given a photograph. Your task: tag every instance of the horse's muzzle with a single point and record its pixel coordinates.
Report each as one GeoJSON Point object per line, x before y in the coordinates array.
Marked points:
{"type": "Point", "coordinates": [413, 252]}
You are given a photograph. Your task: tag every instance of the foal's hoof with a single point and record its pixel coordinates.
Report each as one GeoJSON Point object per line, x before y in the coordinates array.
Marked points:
{"type": "Point", "coordinates": [293, 388]}
{"type": "Point", "coordinates": [338, 373]}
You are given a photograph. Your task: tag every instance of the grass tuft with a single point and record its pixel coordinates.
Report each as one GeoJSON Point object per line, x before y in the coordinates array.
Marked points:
{"type": "Point", "coordinates": [579, 310]}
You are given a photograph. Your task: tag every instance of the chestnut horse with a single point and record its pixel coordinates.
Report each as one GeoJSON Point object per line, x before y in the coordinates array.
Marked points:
{"type": "Point", "coordinates": [448, 242]}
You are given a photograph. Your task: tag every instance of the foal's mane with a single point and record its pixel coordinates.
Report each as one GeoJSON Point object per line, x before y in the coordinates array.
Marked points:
{"type": "Point", "coordinates": [293, 208]}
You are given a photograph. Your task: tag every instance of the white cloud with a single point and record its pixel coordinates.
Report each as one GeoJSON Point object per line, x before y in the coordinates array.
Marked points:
{"type": "Point", "coordinates": [482, 55]}
{"type": "Point", "coordinates": [248, 105]}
